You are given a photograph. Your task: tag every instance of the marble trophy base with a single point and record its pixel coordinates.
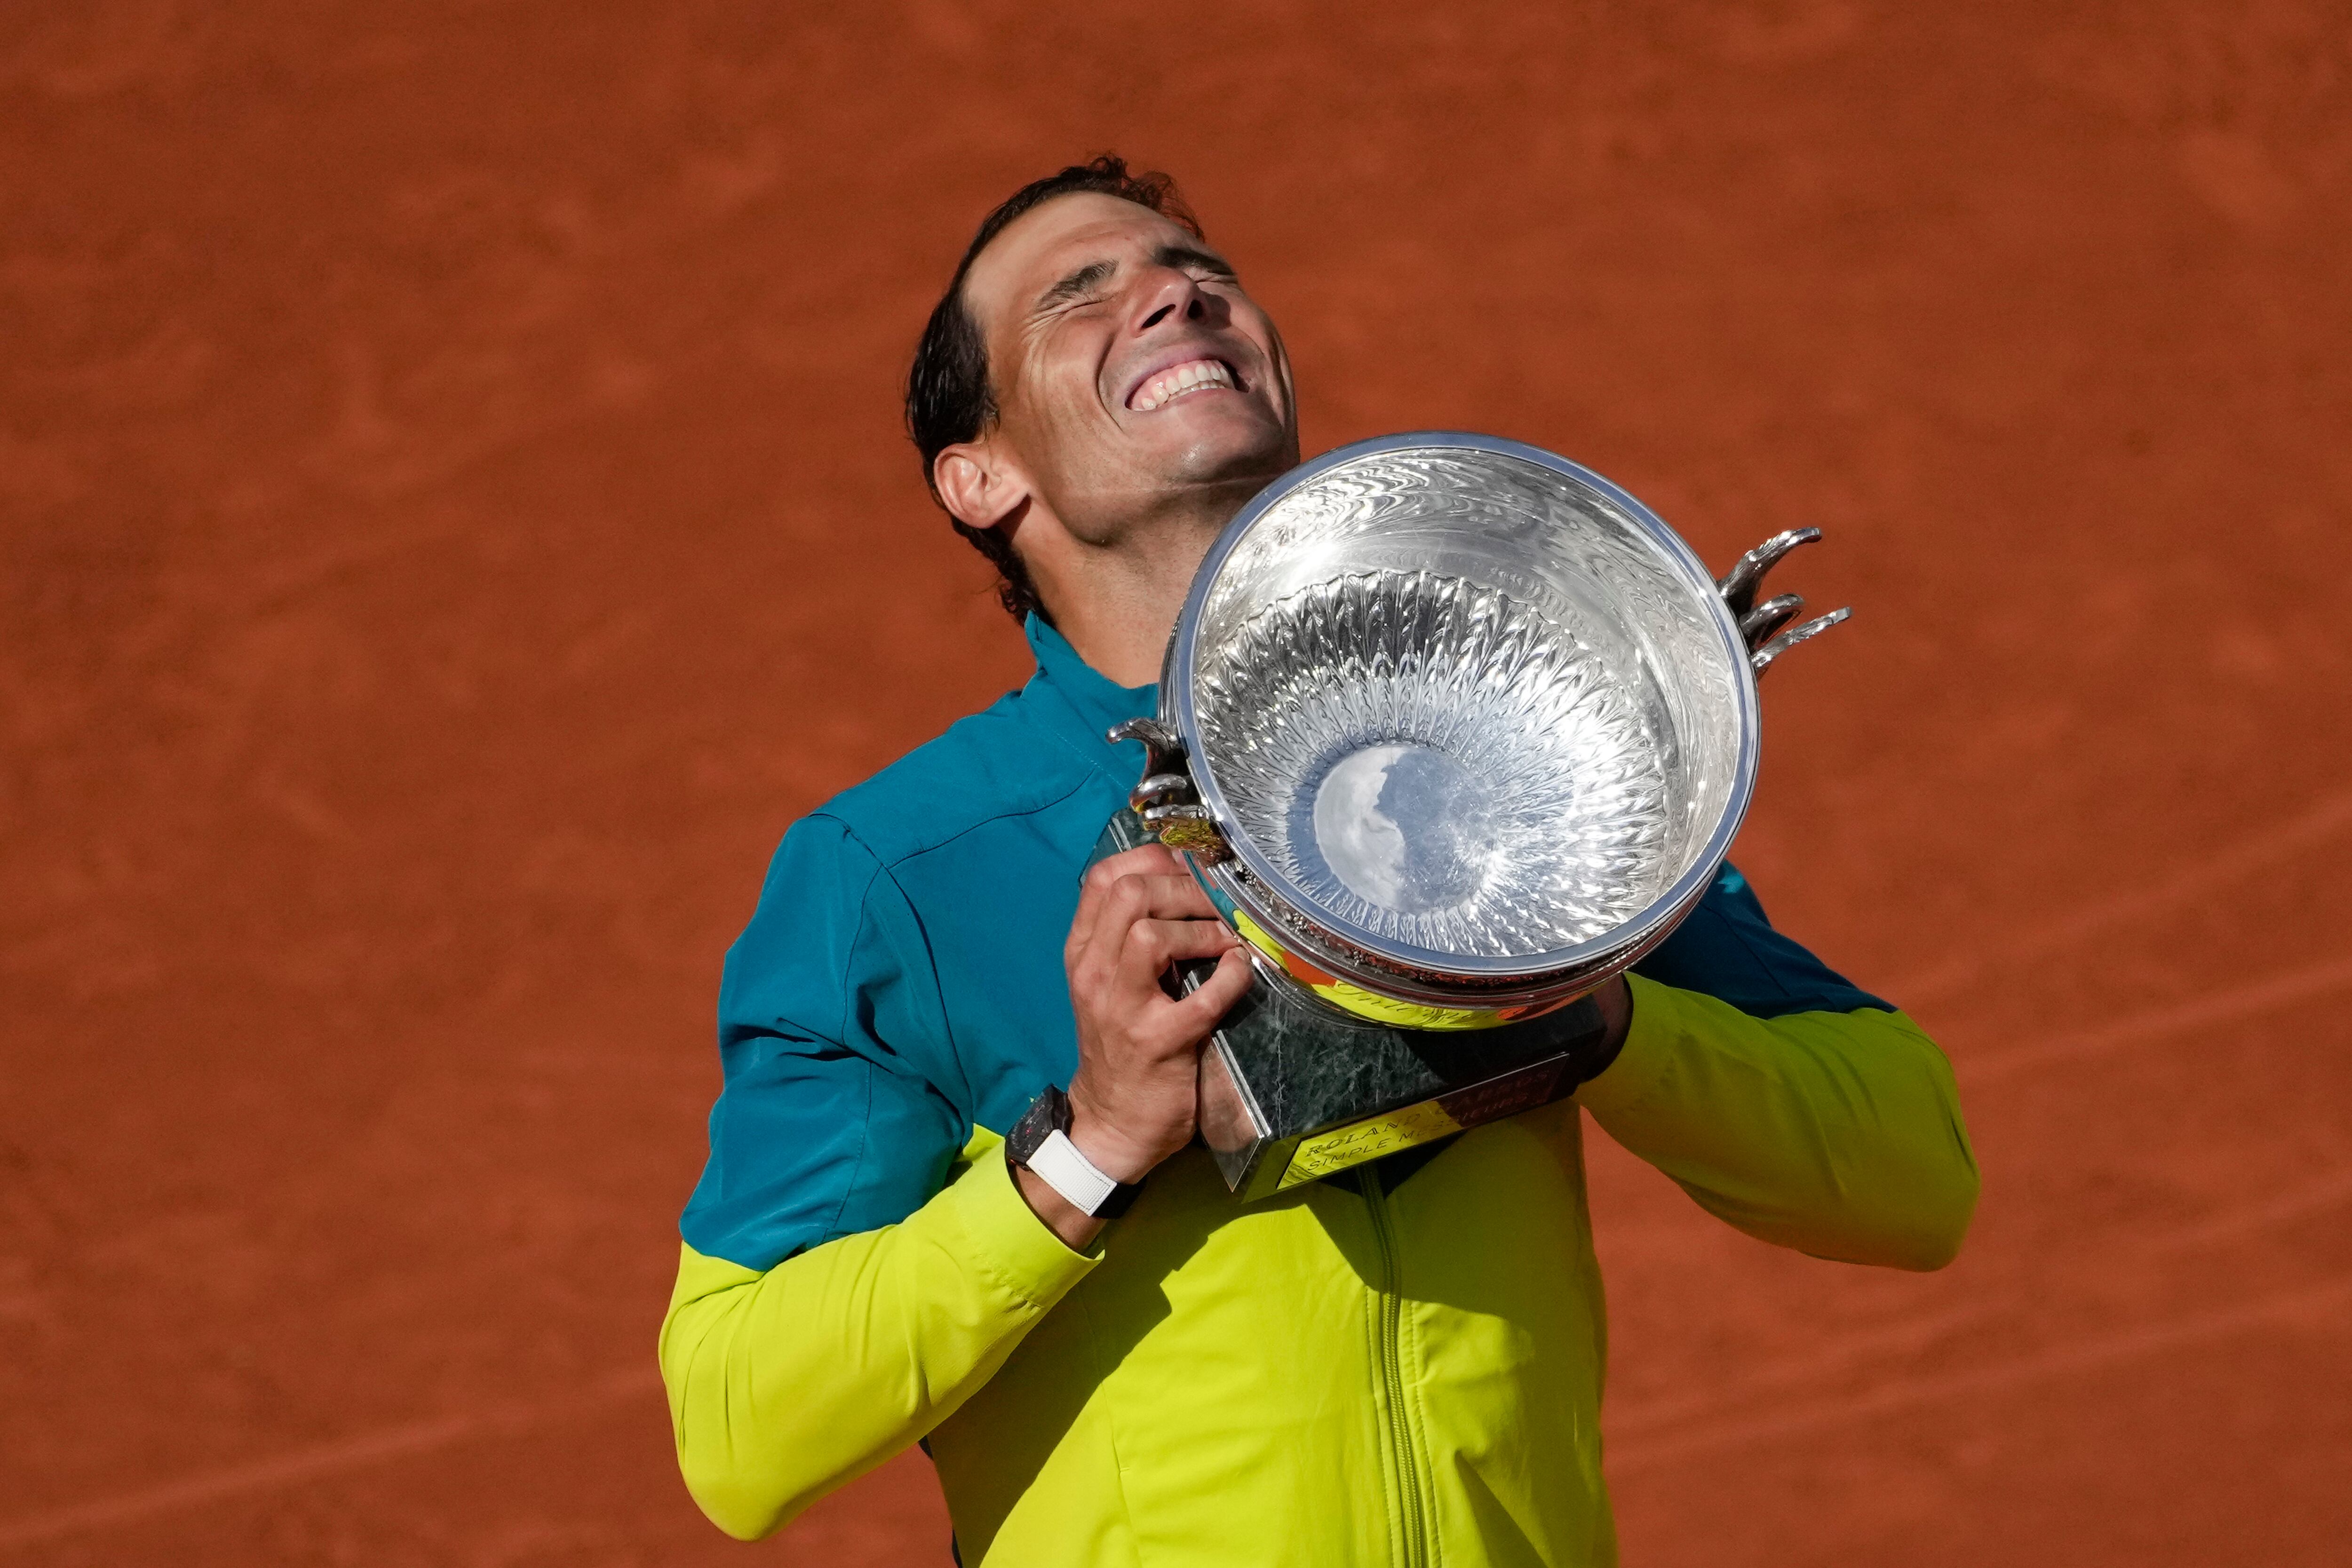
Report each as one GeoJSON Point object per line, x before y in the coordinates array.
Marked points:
{"type": "Point", "coordinates": [1294, 1090]}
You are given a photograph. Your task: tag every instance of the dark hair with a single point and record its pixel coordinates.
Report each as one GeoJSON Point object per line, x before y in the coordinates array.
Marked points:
{"type": "Point", "coordinates": [949, 398]}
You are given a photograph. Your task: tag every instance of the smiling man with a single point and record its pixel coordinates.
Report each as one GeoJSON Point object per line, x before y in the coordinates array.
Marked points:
{"type": "Point", "coordinates": [954, 1193]}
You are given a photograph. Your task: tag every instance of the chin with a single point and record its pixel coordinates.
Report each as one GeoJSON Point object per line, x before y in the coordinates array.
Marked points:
{"type": "Point", "coordinates": [1227, 448]}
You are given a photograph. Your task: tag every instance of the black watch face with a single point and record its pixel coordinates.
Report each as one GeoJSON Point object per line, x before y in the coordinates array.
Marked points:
{"type": "Point", "coordinates": [1044, 1113]}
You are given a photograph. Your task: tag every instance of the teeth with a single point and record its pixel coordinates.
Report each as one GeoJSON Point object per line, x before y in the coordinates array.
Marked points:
{"type": "Point", "coordinates": [1177, 379]}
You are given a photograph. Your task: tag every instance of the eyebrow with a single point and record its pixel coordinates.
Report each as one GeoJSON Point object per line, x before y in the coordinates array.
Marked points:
{"type": "Point", "coordinates": [1179, 255]}
{"type": "Point", "coordinates": [1097, 272]}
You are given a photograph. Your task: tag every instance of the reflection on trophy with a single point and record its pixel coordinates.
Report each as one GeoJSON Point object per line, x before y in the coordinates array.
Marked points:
{"type": "Point", "coordinates": [1452, 731]}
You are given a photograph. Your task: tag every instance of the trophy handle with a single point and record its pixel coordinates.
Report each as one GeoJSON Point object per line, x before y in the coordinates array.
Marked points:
{"type": "Point", "coordinates": [1760, 624]}
{"type": "Point", "coordinates": [1167, 800]}
{"type": "Point", "coordinates": [1739, 586]}
{"type": "Point", "coordinates": [1763, 656]}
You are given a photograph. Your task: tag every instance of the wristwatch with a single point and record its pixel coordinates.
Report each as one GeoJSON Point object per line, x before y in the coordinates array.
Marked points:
{"type": "Point", "coordinates": [1040, 1143]}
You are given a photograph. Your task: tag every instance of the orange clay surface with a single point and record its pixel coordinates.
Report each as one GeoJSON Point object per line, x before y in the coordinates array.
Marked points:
{"type": "Point", "coordinates": [452, 518]}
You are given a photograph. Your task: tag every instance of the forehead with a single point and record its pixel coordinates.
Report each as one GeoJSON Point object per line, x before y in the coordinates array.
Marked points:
{"type": "Point", "coordinates": [1046, 244]}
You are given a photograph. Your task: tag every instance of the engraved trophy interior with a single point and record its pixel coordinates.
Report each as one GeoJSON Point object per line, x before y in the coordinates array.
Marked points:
{"type": "Point", "coordinates": [1464, 711]}
{"type": "Point", "coordinates": [1436, 763]}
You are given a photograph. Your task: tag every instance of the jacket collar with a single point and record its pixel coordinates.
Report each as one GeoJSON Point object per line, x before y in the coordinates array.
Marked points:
{"type": "Point", "coordinates": [1090, 702]}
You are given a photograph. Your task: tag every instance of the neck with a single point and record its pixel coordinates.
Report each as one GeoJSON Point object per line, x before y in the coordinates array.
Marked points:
{"type": "Point", "coordinates": [1116, 600]}
{"type": "Point", "coordinates": [1116, 603]}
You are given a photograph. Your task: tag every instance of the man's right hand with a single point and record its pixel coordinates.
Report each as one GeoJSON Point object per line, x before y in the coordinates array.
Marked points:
{"type": "Point", "coordinates": [1135, 1100]}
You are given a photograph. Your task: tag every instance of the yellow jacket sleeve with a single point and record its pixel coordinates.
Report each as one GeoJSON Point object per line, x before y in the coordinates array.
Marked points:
{"type": "Point", "coordinates": [1836, 1133]}
{"type": "Point", "coordinates": [786, 1384]}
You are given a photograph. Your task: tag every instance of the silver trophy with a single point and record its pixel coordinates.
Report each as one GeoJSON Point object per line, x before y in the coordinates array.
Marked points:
{"type": "Point", "coordinates": [1452, 731]}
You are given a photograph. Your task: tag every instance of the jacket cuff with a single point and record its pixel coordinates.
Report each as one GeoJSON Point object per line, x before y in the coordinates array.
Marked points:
{"type": "Point", "coordinates": [1002, 1234]}
{"type": "Point", "coordinates": [1648, 1054]}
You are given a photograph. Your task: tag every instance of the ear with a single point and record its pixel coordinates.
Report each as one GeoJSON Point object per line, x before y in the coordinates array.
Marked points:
{"type": "Point", "coordinates": [979, 484]}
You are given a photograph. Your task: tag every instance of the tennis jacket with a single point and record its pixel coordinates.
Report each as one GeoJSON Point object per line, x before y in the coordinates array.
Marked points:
{"type": "Point", "coordinates": [1399, 1366]}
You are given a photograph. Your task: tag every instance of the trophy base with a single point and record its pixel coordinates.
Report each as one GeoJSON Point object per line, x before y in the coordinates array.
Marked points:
{"type": "Point", "coordinates": [1292, 1090]}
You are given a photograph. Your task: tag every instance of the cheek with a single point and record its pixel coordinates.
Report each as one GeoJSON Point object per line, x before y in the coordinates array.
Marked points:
{"type": "Point", "coordinates": [1051, 413]}
{"type": "Point", "coordinates": [1067, 396]}
{"type": "Point", "coordinates": [1072, 439]}
{"type": "Point", "coordinates": [1079, 434]}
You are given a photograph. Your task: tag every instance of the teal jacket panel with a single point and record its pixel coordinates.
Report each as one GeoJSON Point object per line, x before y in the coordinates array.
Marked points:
{"type": "Point", "coordinates": [902, 981]}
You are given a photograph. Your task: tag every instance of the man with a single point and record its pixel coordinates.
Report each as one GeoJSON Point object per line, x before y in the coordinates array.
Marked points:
{"type": "Point", "coordinates": [1399, 1365]}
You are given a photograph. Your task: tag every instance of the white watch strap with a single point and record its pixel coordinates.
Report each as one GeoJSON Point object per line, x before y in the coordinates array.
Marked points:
{"type": "Point", "coordinates": [1060, 1167]}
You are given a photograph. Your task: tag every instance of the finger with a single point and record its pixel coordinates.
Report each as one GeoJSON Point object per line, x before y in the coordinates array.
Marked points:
{"type": "Point", "coordinates": [1143, 860]}
{"type": "Point", "coordinates": [1093, 960]}
{"type": "Point", "coordinates": [1094, 887]}
{"type": "Point", "coordinates": [1151, 954]}
{"type": "Point", "coordinates": [1128, 901]}
{"type": "Point", "coordinates": [1177, 897]}
{"type": "Point", "coordinates": [1198, 1014]}
{"type": "Point", "coordinates": [1109, 905]}
{"type": "Point", "coordinates": [1152, 945]}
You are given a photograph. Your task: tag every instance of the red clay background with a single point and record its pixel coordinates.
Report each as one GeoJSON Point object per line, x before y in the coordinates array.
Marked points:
{"type": "Point", "coordinates": [454, 519]}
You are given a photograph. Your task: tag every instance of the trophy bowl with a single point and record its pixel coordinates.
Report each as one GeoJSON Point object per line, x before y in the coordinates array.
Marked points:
{"type": "Point", "coordinates": [1467, 728]}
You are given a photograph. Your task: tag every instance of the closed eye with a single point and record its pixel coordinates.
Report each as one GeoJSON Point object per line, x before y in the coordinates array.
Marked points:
{"type": "Point", "coordinates": [1078, 286]}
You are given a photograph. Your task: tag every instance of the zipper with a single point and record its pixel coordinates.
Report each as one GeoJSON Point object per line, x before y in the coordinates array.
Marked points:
{"type": "Point", "coordinates": [1388, 1317]}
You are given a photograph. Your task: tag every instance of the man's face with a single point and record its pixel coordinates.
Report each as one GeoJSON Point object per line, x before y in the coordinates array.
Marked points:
{"type": "Point", "coordinates": [1132, 373]}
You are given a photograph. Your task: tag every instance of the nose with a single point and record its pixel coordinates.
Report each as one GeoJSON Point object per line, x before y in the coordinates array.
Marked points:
{"type": "Point", "coordinates": [1172, 293]}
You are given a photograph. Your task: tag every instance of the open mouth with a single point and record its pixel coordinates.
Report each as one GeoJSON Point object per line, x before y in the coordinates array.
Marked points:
{"type": "Point", "coordinates": [1165, 386]}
